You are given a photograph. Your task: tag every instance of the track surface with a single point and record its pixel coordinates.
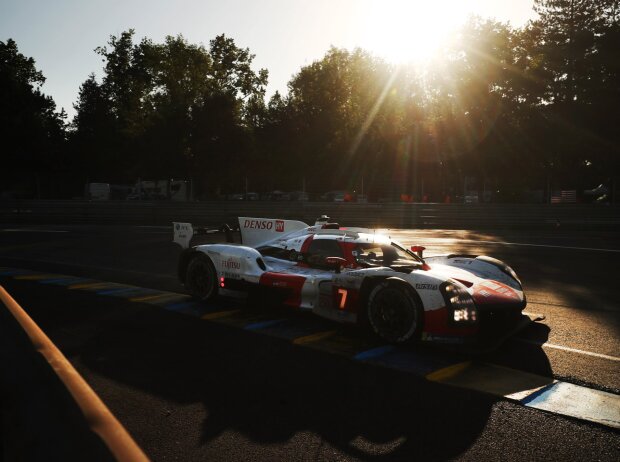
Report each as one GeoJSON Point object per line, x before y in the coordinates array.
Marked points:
{"type": "Point", "coordinates": [193, 390]}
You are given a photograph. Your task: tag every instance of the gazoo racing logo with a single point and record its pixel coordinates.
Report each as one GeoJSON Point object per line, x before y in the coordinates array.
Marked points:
{"type": "Point", "coordinates": [280, 226]}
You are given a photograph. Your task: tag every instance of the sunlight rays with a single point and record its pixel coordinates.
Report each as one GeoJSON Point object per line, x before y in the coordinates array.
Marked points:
{"type": "Point", "coordinates": [372, 113]}
{"type": "Point", "coordinates": [409, 31]}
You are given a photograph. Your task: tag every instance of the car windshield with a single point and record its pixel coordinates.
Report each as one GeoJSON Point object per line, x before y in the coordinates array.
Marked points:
{"type": "Point", "coordinates": [392, 255]}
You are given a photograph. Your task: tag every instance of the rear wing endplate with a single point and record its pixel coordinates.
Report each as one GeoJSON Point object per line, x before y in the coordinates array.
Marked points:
{"type": "Point", "coordinates": [183, 233]}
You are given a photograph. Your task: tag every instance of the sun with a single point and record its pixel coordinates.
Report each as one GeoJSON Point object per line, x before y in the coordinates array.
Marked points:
{"type": "Point", "coordinates": [405, 31]}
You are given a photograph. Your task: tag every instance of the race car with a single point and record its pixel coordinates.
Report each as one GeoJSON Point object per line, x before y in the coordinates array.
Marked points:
{"type": "Point", "coordinates": [356, 275]}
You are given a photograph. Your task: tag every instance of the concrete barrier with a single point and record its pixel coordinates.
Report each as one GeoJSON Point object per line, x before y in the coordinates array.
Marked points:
{"type": "Point", "coordinates": [49, 411]}
{"type": "Point", "coordinates": [395, 215]}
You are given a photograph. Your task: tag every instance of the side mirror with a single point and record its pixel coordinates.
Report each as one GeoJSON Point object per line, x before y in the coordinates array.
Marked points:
{"type": "Point", "coordinates": [335, 262]}
{"type": "Point", "coordinates": [418, 250]}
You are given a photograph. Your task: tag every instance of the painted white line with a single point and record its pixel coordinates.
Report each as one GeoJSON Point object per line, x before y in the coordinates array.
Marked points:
{"type": "Point", "coordinates": [564, 348]}
{"type": "Point", "coordinates": [449, 241]}
{"type": "Point", "coordinates": [33, 231]}
{"type": "Point", "coordinates": [594, 249]}
{"type": "Point", "coordinates": [553, 246]}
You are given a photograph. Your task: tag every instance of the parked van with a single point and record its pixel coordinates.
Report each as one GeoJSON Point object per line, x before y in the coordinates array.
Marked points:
{"type": "Point", "coordinates": [97, 191]}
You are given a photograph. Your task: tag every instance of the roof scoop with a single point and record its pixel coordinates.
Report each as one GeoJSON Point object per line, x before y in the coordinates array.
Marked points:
{"type": "Point", "coordinates": [322, 220]}
{"type": "Point", "coordinates": [324, 223]}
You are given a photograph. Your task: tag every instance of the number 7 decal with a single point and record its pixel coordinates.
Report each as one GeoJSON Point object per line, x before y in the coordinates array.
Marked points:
{"type": "Point", "coordinates": [343, 298]}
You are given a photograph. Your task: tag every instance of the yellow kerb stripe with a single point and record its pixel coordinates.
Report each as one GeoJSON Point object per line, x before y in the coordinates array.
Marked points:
{"type": "Point", "coordinates": [155, 297]}
{"type": "Point", "coordinates": [448, 372]}
{"type": "Point", "coordinates": [34, 277]}
{"type": "Point", "coordinates": [313, 337]}
{"type": "Point", "coordinates": [220, 314]}
{"type": "Point", "coordinates": [91, 285]}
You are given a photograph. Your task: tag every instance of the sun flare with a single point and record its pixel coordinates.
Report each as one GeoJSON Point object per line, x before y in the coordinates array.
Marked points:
{"type": "Point", "coordinates": [403, 31]}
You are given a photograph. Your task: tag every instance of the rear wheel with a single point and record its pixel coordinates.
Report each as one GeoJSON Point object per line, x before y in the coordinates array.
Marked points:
{"type": "Point", "coordinates": [201, 278]}
{"type": "Point", "coordinates": [393, 313]}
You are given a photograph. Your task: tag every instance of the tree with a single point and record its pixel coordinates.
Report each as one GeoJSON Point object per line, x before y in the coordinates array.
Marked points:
{"type": "Point", "coordinates": [31, 130]}
{"type": "Point", "coordinates": [94, 138]}
{"type": "Point", "coordinates": [567, 40]}
{"type": "Point", "coordinates": [147, 116]}
{"type": "Point", "coordinates": [580, 49]}
{"type": "Point", "coordinates": [350, 115]}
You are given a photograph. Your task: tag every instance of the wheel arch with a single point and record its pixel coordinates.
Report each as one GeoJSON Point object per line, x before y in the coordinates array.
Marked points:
{"type": "Point", "coordinates": [186, 256]}
{"type": "Point", "coordinates": [371, 282]}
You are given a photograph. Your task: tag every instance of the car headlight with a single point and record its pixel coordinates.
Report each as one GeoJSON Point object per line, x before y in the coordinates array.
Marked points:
{"type": "Point", "coordinates": [460, 305]}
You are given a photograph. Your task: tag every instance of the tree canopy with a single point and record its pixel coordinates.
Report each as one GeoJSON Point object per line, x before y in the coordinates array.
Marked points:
{"type": "Point", "coordinates": [31, 130]}
{"type": "Point", "coordinates": [511, 108]}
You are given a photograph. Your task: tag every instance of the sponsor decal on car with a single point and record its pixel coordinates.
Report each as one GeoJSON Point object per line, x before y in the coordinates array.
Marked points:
{"type": "Point", "coordinates": [426, 286]}
{"type": "Point", "coordinates": [231, 264]}
{"type": "Point", "coordinates": [260, 224]}
{"type": "Point", "coordinates": [279, 226]}
{"type": "Point", "coordinates": [463, 262]}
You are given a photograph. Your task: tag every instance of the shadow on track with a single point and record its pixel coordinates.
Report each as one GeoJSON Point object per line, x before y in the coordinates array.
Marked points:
{"type": "Point", "coordinates": [523, 356]}
{"type": "Point", "coordinates": [287, 402]}
{"type": "Point", "coordinates": [270, 390]}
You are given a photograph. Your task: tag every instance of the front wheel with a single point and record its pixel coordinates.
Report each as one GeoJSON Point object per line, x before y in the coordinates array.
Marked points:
{"type": "Point", "coordinates": [394, 313]}
{"type": "Point", "coordinates": [201, 278]}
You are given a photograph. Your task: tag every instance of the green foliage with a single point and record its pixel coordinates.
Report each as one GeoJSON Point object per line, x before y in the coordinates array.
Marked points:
{"type": "Point", "coordinates": [525, 108]}
{"type": "Point", "coordinates": [31, 130]}
{"type": "Point", "coordinates": [164, 109]}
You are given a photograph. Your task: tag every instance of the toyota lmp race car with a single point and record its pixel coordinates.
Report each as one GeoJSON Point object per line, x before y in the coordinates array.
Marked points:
{"type": "Point", "coordinates": [355, 275]}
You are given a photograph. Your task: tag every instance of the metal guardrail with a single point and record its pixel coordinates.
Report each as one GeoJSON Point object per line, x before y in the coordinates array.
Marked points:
{"type": "Point", "coordinates": [395, 215]}
{"type": "Point", "coordinates": [29, 345]}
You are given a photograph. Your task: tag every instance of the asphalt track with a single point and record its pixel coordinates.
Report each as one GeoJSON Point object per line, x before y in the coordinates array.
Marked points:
{"type": "Point", "coordinates": [188, 389]}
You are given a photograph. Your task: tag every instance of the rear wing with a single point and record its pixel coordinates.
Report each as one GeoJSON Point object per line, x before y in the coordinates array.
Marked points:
{"type": "Point", "coordinates": [184, 232]}
{"type": "Point", "coordinates": [256, 231]}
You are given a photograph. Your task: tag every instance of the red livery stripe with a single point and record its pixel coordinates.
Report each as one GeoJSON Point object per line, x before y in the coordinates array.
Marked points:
{"type": "Point", "coordinates": [287, 282]}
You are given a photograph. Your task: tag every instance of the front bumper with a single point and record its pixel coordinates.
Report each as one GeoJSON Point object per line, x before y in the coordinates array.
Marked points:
{"type": "Point", "coordinates": [491, 334]}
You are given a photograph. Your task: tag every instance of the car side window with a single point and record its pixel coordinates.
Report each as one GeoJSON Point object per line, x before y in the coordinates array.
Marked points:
{"type": "Point", "coordinates": [369, 255]}
{"type": "Point", "coordinates": [320, 249]}
{"type": "Point", "coordinates": [325, 248]}
{"type": "Point", "coordinates": [275, 252]}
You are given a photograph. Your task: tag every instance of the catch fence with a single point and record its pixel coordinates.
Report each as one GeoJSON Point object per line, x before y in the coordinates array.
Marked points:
{"type": "Point", "coordinates": [393, 215]}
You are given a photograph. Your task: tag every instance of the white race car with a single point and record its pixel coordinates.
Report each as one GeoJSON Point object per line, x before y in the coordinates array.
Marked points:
{"type": "Point", "coordinates": [356, 275]}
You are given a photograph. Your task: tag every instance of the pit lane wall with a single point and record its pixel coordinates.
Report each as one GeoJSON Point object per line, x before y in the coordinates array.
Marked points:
{"type": "Point", "coordinates": [48, 412]}
{"type": "Point", "coordinates": [392, 215]}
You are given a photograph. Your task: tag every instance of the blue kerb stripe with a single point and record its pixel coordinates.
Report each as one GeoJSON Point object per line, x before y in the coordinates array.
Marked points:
{"type": "Point", "coordinates": [374, 353]}
{"type": "Point", "coordinates": [539, 396]}
{"type": "Point", "coordinates": [181, 306]}
{"type": "Point", "coordinates": [62, 281]}
{"type": "Point", "coordinates": [117, 291]}
{"type": "Point", "coordinates": [15, 272]}
{"type": "Point", "coordinates": [69, 281]}
{"type": "Point", "coordinates": [263, 324]}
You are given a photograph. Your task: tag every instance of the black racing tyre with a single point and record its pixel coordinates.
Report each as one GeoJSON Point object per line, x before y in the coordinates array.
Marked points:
{"type": "Point", "coordinates": [201, 278]}
{"type": "Point", "coordinates": [394, 313]}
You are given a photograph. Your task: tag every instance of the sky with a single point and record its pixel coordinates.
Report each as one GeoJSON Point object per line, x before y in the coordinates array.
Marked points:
{"type": "Point", "coordinates": [285, 35]}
